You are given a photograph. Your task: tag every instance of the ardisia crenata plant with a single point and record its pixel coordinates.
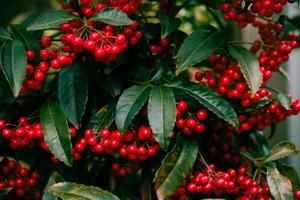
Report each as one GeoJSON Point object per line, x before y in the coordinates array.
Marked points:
{"type": "Point", "coordinates": [115, 99]}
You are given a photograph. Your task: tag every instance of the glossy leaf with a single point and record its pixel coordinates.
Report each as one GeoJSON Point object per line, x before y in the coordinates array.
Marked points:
{"type": "Point", "coordinates": [162, 114]}
{"type": "Point", "coordinates": [279, 151]}
{"type": "Point", "coordinates": [284, 100]}
{"type": "Point", "coordinates": [198, 46]}
{"type": "Point", "coordinates": [26, 37]}
{"type": "Point", "coordinates": [129, 104]}
{"type": "Point", "coordinates": [249, 66]}
{"type": "Point", "coordinates": [4, 35]}
{"type": "Point", "coordinates": [56, 132]}
{"type": "Point", "coordinates": [168, 24]}
{"type": "Point", "coordinates": [71, 191]}
{"type": "Point", "coordinates": [54, 178]}
{"type": "Point", "coordinates": [209, 100]}
{"type": "Point", "coordinates": [175, 167]}
{"type": "Point", "coordinates": [73, 92]}
{"type": "Point", "coordinates": [103, 118]}
{"type": "Point", "coordinates": [291, 174]}
{"type": "Point", "coordinates": [14, 63]}
{"type": "Point", "coordinates": [280, 186]}
{"type": "Point", "coordinates": [112, 16]}
{"type": "Point", "coordinates": [50, 20]}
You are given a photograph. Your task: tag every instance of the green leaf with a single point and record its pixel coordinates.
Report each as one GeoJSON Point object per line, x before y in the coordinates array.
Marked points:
{"type": "Point", "coordinates": [25, 37]}
{"type": "Point", "coordinates": [5, 91]}
{"type": "Point", "coordinates": [4, 192]}
{"type": "Point", "coordinates": [73, 92]}
{"type": "Point", "coordinates": [279, 151]}
{"type": "Point", "coordinates": [208, 99]}
{"type": "Point", "coordinates": [51, 19]}
{"type": "Point", "coordinates": [103, 118]}
{"type": "Point", "coordinates": [249, 67]}
{"type": "Point", "coordinates": [175, 167]}
{"type": "Point", "coordinates": [291, 174]}
{"type": "Point", "coordinates": [4, 35]}
{"type": "Point", "coordinates": [280, 186]}
{"type": "Point", "coordinates": [162, 114]}
{"type": "Point", "coordinates": [14, 63]}
{"type": "Point", "coordinates": [111, 83]}
{"type": "Point", "coordinates": [168, 24]}
{"type": "Point", "coordinates": [284, 100]}
{"type": "Point", "coordinates": [198, 46]}
{"type": "Point", "coordinates": [54, 178]}
{"type": "Point", "coordinates": [71, 191]}
{"type": "Point", "coordinates": [284, 74]}
{"type": "Point", "coordinates": [129, 104]}
{"type": "Point", "coordinates": [112, 16]}
{"type": "Point", "coordinates": [56, 132]}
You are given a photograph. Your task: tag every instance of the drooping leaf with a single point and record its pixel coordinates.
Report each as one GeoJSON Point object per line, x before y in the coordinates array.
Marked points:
{"type": "Point", "coordinates": [129, 104]}
{"type": "Point", "coordinates": [291, 174]}
{"type": "Point", "coordinates": [26, 37]}
{"type": "Point", "coordinates": [168, 24]}
{"type": "Point", "coordinates": [279, 151]}
{"type": "Point", "coordinates": [249, 66]}
{"type": "Point", "coordinates": [111, 83]}
{"type": "Point", "coordinates": [198, 46]}
{"type": "Point", "coordinates": [284, 100]}
{"type": "Point", "coordinates": [50, 20]}
{"type": "Point", "coordinates": [71, 191]}
{"type": "Point", "coordinates": [4, 35]}
{"type": "Point", "coordinates": [54, 178]}
{"type": "Point", "coordinates": [280, 186]}
{"type": "Point", "coordinates": [56, 132]}
{"type": "Point", "coordinates": [112, 16]}
{"type": "Point", "coordinates": [73, 92]}
{"type": "Point", "coordinates": [208, 99]}
{"type": "Point", "coordinates": [175, 167]}
{"type": "Point", "coordinates": [103, 118]}
{"type": "Point", "coordinates": [162, 114]}
{"type": "Point", "coordinates": [14, 64]}
{"type": "Point", "coordinates": [284, 74]}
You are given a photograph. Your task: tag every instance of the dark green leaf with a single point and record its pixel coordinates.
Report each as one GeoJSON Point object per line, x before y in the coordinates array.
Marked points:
{"type": "Point", "coordinates": [56, 132]}
{"type": "Point", "coordinates": [14, 63]}
{"type": "Point", "coordinates": [73, 92]}
{"type": "Point", "coordinates": [25, 37]}
{"type": "Point", "coordinates": [112, 16]}
{"type": "Point", "coordinates": [50, 20]}
{"type": "Point", "coordinates": [284, 100]}
{"type": "Point", "coordinates": [162, 114]}
{"type": "Point", "coordinates": [5, 91]}
{"type": "Point", "coordinates": [129, 104]}
{"type": "Point", "coordinates": [249, 66]}
{"type": "Point", "coordinates": [291, 174]}
{"type": "Point", "coordinates": [208, 99]}
{"type": "Point", "coordinates": [103, 118]}
{"type": "Point", "coordinates": [280, 186]}
{"type": "Point", "coordinates": [168, 24]}
{"type": "Point", "coordinates": [54, 178]}
{"type": "Point", "coordinates": [175, 167]}
{"type": "Point", "coordinates": [72, 191]}
{"type": "Point", "coordinates": [4, 35]}
{"type": "Point", "coordinates": [284, 73]}
{"type": "Point", "coordinates": [198, 46]}
{"type": "Point", "coordinates": [111, 83]}
{"type": "Point", "coordinates": [5, 191]}
{"type": "Point", "coordinates": [279, 151]}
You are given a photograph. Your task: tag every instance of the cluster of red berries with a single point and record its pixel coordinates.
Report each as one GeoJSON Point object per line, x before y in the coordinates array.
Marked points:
{"type": "Point", "coordinates": [226, 78]}
{"type": "Point", "coordinates": [24, 135]}
{"type": "Point", "coordinates": [244, 12]}
{"type": "Point", "coordinates": [181, 192]}
{"type": "Point", "coordinates": [104, 42]}
{"type": "Point", "coordinates": [233, 182]}
{"type": "Point", "coordinates": [123, 168]}
{"type": "Point", "coordinates": [187, 122]}
{"type": "Point", "coordinates": [133, 146]}
{"type": "Point", "coordinates": [164, 48]}
{"type": "Point", "coordinates": [19, 179]}
{"type": "Point", "coordinates": [87, 9]}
